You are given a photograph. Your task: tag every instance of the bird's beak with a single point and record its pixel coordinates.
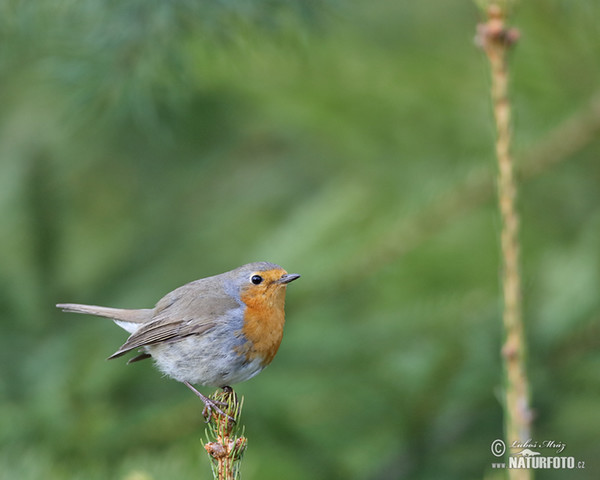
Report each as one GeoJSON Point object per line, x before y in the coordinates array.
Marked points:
{"type": "Point", "coordinates": [287, 278]}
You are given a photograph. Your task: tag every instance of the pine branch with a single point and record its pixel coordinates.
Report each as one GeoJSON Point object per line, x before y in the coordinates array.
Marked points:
{"type": "Point", "coordinates": [226, 442]}
{"type": "Point", "coordinates": [496, 39]}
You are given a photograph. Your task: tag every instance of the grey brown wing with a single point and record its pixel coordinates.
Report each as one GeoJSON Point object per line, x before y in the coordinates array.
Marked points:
{"type": "Point", "coordinates": [189, 310]}
{"type": "Point", "coordinates": [161, 331]}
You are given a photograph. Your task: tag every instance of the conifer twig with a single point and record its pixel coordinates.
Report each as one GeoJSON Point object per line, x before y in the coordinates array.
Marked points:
{"type": "Point", "coordinates": [226, 442]}
{"type": "Point", "coordinates": [496, 39]}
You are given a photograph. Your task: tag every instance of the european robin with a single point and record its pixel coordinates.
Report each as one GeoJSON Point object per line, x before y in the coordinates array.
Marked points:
{"type": "Point", "coordinates": [216, 331]}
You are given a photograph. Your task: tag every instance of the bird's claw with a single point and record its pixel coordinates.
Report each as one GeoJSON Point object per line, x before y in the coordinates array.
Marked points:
{"type": "Point", "coordinates": [211, 405]}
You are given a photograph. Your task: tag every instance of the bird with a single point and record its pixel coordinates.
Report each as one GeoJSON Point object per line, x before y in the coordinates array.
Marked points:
{"type": "Point", "coordinates": [216, 331]}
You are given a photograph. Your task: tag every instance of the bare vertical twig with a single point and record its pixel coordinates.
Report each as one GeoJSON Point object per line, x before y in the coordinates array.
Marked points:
{"type": "Point", "coordinates": [496, 39]}
{"type": "Point", "coordinates": [226, 443]}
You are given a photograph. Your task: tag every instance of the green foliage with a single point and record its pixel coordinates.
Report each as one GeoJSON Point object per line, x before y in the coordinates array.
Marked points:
{"type": "Point", "coordinates": [226, 443]}
{"type": "Point", "coordinates": [145, 144]}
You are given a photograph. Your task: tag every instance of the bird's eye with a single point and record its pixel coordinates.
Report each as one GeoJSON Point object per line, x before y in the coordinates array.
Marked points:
{"type": "Point", "coordinates": [256, 279]}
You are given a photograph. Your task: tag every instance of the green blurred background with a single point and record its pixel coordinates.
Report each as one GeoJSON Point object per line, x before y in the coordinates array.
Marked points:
{"type": "Point", "coordinates": [144, 144]}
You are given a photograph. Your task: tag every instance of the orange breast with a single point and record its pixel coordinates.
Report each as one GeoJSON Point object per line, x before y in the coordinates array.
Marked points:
{"type": "Point", "coordinates": [263, 322]}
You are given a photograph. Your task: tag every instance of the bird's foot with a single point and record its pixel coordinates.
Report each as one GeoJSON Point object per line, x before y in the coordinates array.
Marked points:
{"type": "Point", "coordinates": [211, 405]}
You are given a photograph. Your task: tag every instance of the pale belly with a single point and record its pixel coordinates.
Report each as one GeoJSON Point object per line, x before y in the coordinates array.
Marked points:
{"type": "Point", "coordinates": [197, 360]}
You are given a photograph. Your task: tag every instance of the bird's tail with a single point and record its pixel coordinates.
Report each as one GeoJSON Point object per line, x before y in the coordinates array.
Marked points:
{"type": "Point", "coordinates": [117, 314]}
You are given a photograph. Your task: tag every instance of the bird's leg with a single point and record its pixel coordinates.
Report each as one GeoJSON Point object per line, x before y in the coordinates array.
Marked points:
{"type": "Point", "coordinates": [209, 404]}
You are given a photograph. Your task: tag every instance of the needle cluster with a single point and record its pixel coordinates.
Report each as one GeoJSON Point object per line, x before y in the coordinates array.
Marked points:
{"type": "Point", "coordinates": [226, 443]}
